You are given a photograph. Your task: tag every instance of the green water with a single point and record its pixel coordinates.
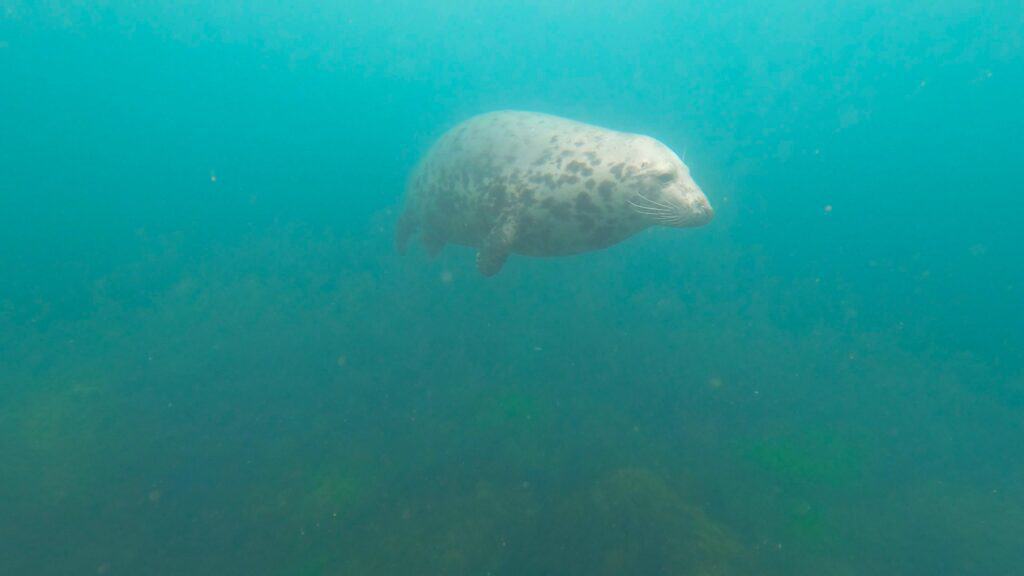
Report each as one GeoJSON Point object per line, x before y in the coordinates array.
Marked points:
{"type": "Point", "coordinates": [213, 361]}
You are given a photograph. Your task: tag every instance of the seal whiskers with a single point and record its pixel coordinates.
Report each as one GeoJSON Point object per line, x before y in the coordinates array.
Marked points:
{"type": "Point", "coordinates": [651, 211]}
{"type": "Point", "coordinates": [663, 214]}
{"type": "Point", "coordinates": [658, 204]}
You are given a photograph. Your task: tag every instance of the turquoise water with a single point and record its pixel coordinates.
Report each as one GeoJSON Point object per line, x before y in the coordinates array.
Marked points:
{"type": "Point", "coordinates": [212, 361]}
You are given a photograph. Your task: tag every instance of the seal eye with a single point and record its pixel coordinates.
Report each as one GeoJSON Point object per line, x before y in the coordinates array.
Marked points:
{"type": "Point", "coordinates": [666, 178]}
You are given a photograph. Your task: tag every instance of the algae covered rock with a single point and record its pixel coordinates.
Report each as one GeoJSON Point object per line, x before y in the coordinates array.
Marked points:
{"type": "Point", "coordinates": [635, 521]}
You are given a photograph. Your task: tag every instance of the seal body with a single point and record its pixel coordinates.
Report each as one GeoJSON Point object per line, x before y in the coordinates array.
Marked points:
{"type": "Point", "coordinates": [525, 183]}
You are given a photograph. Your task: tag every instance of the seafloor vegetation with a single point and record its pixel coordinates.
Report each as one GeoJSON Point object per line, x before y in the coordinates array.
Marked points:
{"type": "Point", "coordinates": [296, 403]}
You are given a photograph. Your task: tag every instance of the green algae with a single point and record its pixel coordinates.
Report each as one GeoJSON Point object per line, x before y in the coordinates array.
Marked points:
{"type": "Point", "coordinates": [300, 496]}
{"type": "Point", "coordinates": [60, 436]}
{"type": "Point", "coordinates": [817, 458]}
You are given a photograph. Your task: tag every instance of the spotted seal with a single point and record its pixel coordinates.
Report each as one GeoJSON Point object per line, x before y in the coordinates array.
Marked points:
{"type": "Point", "coordinates": [538, 185]}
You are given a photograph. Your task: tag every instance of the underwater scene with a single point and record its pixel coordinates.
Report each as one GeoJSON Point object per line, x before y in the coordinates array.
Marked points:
{"type": "Point", "coordinates": [741, 294]}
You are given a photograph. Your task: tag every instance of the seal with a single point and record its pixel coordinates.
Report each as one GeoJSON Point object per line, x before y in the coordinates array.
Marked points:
{"type": "Point", "coordinates": [512, 182]}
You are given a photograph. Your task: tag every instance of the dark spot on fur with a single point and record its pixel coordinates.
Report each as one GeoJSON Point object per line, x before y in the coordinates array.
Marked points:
{"type": "Point", "coordinates": [541, 237]}
{"type": "Point", "coordinates": [605, 189]}
{"type": "Point", "coordinates": [537, 178]}
{"type": "Point", "coordinates": [559, 209]}
{"type": "Point", "coordinates": [590, 184]}
{"type": "Point", "coordinates": [584, 204]}
{"type": "Point", "coordinates": [617, 171]}
{"type": "Point", "coordinates": [567, 179]}
{"type": "Point", "coordinates": [576, 166]}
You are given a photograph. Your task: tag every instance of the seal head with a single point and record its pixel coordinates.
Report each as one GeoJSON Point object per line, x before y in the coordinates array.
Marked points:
{"type": "Point", "coordinates": [664, 193]}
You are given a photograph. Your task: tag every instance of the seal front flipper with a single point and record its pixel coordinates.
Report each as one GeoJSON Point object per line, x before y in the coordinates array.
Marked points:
{"type": "Point", "coordinates": [490, 261]}
{"type": "Point", "coordinates": [495, 248]}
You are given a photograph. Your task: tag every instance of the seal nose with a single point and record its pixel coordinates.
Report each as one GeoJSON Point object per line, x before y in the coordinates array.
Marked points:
{"type": "Point", "coordinates": [702, 212]}
{"type": "Point", "coordinates": [709, 212]}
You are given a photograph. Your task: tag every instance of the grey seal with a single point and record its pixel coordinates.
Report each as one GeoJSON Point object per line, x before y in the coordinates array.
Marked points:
{"type": "Point", "coordinates": [512, 182]}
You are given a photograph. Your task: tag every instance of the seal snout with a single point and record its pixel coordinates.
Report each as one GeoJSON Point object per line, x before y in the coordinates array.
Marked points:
{"type": "Point", "coordinates": [694, 212]}
{"type": "Point", "coordinates": [702, 211]}
{"type": "Point", "coordinates": [692, 209]}
{"type": "Point", "coordinates": [675, 210]}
